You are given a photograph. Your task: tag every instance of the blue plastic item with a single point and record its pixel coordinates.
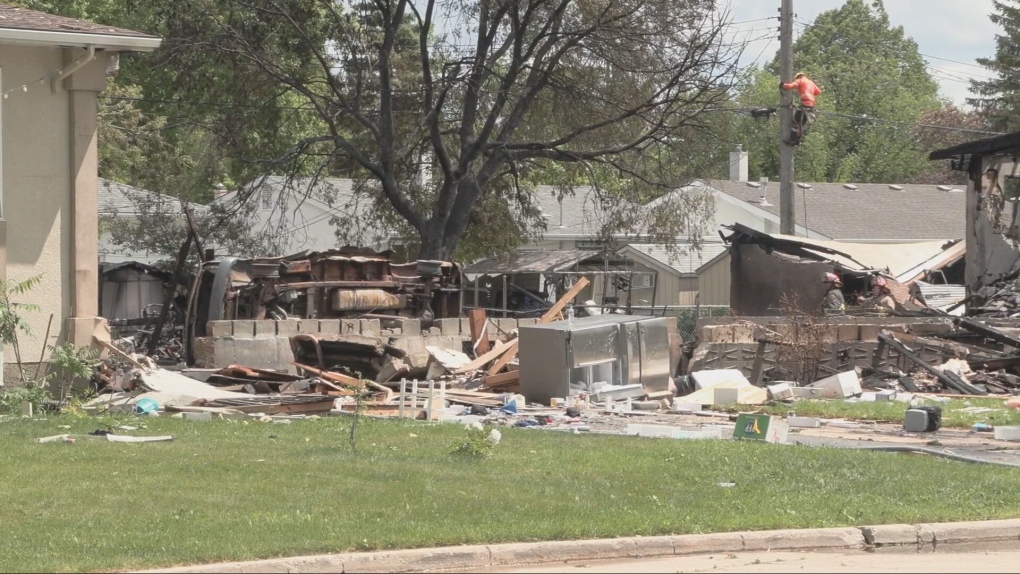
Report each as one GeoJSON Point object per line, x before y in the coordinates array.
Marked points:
{"type": "Point", "coordinates": [982, 427]}
{"type": "Point", "coordinates": [146, 406]}
{"type": "Point", "coordinates": [510, 407]}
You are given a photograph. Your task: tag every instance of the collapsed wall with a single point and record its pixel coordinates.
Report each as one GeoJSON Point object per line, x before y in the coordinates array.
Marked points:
{"type": "Point", "coordinates": [266, 344]}
{"type": "Point", "coordinates": [826, 345]}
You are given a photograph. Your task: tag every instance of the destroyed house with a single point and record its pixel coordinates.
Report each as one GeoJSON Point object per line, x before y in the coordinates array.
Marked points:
{"type": "Point", "coordinates": [992, 226]}
{"type": "Point", "coordinates": [772, 273]}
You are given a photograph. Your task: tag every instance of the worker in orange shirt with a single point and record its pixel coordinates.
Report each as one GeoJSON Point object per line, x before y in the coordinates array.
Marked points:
{"type": "Point", "coordinates": [805, 114]}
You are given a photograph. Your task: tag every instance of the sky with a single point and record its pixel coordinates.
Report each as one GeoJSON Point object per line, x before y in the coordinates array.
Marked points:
{"type": "Point", "coordinates": [944, 30]}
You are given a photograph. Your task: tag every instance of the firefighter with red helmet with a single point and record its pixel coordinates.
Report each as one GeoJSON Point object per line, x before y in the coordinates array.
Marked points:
{"type": "Point", "coordinates": [833, 303]}
{"type": "Point", "coordinates": [881, 295]}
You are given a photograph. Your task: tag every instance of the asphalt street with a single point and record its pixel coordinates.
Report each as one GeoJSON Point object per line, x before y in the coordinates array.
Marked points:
{"type": "Point", "coordinates": [849, 561]}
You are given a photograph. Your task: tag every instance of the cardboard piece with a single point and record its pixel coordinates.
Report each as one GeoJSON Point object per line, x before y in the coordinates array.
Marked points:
{"type": "Point", "coordinates": [761, 427]}
{"type": "Point", "coordinates": [746, 394]}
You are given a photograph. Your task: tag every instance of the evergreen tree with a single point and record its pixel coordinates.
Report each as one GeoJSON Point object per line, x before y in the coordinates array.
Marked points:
{"type": "Point", "coordinates": [999, 98]}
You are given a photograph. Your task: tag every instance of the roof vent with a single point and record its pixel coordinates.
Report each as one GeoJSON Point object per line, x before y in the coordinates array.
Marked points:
{"type": "Point", "coordinates": [896, 187]}
{"type": "Point", "coordinates": [804, 185]}
{"type": "Point", "coordinates": [944, 188]}
{"type": "Point", "coordinates": [753, 184]}
{"type": "Point", "coordinates": [850, 186]}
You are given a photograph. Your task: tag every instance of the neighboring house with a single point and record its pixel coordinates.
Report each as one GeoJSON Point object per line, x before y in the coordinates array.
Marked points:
{"type": "Point", "coordinates": [299, 214]}
{"type": "Point", "coordinates": [677, 280]}
{"type": "Point", "coordinates": [124, 202]}
{"type": "Point", "coordinates": [53, 69]}
{"type": "Point", "coordinates": [860, 213]}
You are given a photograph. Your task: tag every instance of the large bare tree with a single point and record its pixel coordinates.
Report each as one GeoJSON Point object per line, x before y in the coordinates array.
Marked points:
{"type": "Point", "coordinates": [449, 106]}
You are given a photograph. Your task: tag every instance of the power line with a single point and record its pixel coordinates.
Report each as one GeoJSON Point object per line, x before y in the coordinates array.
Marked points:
{"type": "Point", "coordinates": [909, 124]}
{"type": "Point", "coordinates": [956, 62]}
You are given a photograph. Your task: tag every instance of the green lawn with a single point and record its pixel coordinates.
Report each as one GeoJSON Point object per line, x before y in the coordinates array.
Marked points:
{"type": "Point", "coordinates": [230, 491]}
{"type": "Point", "coordinates": [953, 414]}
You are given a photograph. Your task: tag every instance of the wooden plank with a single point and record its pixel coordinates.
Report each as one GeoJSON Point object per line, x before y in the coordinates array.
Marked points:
{"type": "Point", "coordinates": [564, 300]}
{"type": "Point", "coordinates": [959, 349]}
{"type": "Point", "coordinates": [502, 379]}
{"type": "Point", "coordinates": [989, 332]}
{"type": "Point", "coordinates": [947, 378]}
{"type": "Point", "coordinates": [329, 376]}
{"type": "Point", "coordinates": [479, 333]}
{"type": "Point", "coordinates": [484, 359]}
{"type": "Point", "coordinates": [113, 349]}
{"type": "Point", "coordinates": [759, 363]}
{"type": "Point", "coordinates": [501, 362]}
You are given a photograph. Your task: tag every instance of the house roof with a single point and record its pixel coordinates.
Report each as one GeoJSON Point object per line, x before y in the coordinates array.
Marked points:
{"type": "Point", "coordinates": [298, 213]}
{"type": "Point", "coordinates": [532, 261]}
{"type": "Point", "coordinates": [897, 259]}
{"type": "Point", "coordinates": [122, 199]}
{"type": "Point", "coordinates": [580, 213]}
{"type": "Point", "coordinates": [31, 27]}
{"type": "Point", "coordinates": [867, 211]}
{"type": "Point", "coordinates": [989, 145]}
{"type": "Point", "coordinates": [687, 264]}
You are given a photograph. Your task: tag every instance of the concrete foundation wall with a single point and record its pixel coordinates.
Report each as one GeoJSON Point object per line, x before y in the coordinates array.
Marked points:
{"type": "Point", "coordinates": [266, 344]}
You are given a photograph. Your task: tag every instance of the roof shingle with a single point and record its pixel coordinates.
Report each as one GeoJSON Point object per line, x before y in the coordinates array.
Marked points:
{"type": "Point", "coordinates": [871, 211]}
{"type": "Point", "coordinates": [16, 18]}
{"type": "Point", "coordinates": [687, 264]}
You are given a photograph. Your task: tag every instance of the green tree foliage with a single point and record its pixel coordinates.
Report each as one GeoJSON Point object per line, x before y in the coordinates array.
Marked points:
{"type": "Point", "coordinates": [999, 98]}
{"type": "Point", "coordinates": [866, 69]}
{"type": "Point", "coordinates": [516, 87]}
{"type": "Point", "coordinates": [972, 125]}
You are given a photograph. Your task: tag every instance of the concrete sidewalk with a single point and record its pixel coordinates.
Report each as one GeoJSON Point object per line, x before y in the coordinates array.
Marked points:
{"type": "Point", "coordinates": [903, 536]}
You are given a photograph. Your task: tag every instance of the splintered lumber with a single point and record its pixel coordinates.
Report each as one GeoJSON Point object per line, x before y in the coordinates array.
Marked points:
{"type": "Point", "coordinates": [996, 363]}
{"type": "Point", "coordinates": [947, 378]}
{"type": "Point", "coordinates": [989, 332]}
{"type": "Point", "coordinates": [479, 331]}
{"type": "Point", "coordinates": [501, 380]}
{"type": "Point", "coordinates": [959, 349]}
{"type": "Point", "coordinates": [124, 356]}
{"type": "Point", "coordinates": [564, 300]}
{"type": "Point", "coordinates": [501, 362]}
{"type": "Point", "coordinates": [484, 359]}
{"type": "Point", "coordinates": [333, 377]}
{"type": "Point", "coordinates": [549, 315]}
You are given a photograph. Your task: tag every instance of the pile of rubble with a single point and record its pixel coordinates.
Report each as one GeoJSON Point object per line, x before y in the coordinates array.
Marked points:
{"type": "Point", "coordinates": [985, 360]}
{"type": "Point", "coordinates": [1000, 299]}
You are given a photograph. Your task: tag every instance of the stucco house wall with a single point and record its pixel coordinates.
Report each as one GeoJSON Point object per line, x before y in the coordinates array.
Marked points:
{"type": "Point", "coordinates": [51, 72]}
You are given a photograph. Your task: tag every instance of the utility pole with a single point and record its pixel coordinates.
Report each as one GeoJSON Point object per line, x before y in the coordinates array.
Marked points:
{"type": "Point", "coordinates": [787, 214]}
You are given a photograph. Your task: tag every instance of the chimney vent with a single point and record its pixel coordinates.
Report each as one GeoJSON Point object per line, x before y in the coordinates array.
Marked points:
{"type": "Point", "coordinates": [763, 200]}
{"type": "Point", "coordinates": [738, 164]}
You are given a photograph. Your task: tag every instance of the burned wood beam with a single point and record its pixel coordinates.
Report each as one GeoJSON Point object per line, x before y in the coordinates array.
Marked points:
{"type": "Point", "coordinates": [759, 362]}
{"type": "Point", "coordinates": [909, 384]}
{"type": "Point", "coordinates": [989, 332]}
{"type": "Point", "coordinates": [959, 349]}
{"type": "Point", "coordinates": [996, 363]}
{"type": "Point", "coordinates": [950, 380]}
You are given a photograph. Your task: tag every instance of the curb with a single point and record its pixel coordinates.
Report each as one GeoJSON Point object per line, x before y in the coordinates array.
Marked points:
{"type": "Point", "coordinates": [530, 553]}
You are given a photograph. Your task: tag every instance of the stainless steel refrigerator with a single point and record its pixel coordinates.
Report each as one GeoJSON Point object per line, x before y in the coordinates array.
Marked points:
{"type": "Point", "coordinates": [566, 357]}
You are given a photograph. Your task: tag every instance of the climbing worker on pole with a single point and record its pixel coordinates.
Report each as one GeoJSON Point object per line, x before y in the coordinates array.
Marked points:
{"type": "Point", "coordinates": [805, 114]}
{"type": "Point", "coordinates": [833, 303]}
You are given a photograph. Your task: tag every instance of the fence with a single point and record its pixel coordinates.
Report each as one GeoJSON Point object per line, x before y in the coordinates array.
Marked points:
{"type": "Point", "coordinates": [686, 315]}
